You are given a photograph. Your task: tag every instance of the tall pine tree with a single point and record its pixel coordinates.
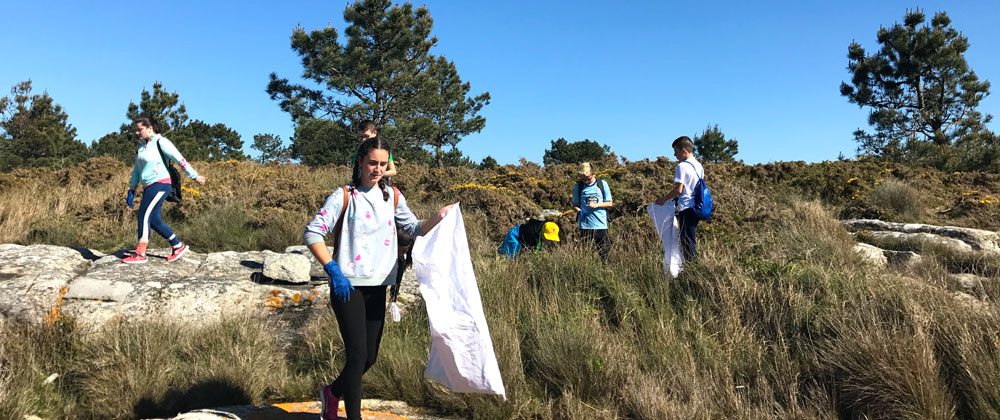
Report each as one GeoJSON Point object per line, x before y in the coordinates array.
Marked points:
{"type": "Point", "coordinates": [383, 72]}
{"type": "Point", "coordinates": [921, 93]}
{"type": "Point", "coordinates": [34, 131]}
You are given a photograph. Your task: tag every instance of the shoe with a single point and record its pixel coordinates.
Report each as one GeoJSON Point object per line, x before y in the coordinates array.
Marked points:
{"type": "Point", "coordinates": [329, 404]}
{"type": "Point", "coordinates": [134, 259]}
{"type": "Point", "coordinates": [177, 253]}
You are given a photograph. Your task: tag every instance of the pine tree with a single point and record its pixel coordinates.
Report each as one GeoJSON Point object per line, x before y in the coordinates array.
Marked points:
{"type": "Point", "coordinates": [920, 90]}
{"type": "Point", "coordinates": [270, 148]}
{"type": "Point", "coordinates": [196, 140]}
{"type": "Point", "coordinates": [36, 132]}
{"type": "Point", "coordinates": [711, 146]}
{"type": "Point", "coordinates": [563, 152]}
{"type": "Point", "coordinates": [383, 72]}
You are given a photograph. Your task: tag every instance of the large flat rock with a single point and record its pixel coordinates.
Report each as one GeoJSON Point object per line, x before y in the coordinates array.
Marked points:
{"type": "Point", "coordinates": [33, 278]}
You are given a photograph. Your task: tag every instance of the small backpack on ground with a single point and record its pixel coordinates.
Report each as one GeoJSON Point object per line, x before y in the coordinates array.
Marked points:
{"type": "Point", "coordinates": [175, 177]}
{"type": "Point", "coordinates": [703, 204]}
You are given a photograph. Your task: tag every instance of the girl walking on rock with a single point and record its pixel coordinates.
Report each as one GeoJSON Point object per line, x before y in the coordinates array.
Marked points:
{"type": "Point", "coordinates": [150, 170]}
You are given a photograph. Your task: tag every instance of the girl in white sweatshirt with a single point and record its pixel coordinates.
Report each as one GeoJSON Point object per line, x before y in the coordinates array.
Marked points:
{"type": "Point", "coordinates": [364, 264]}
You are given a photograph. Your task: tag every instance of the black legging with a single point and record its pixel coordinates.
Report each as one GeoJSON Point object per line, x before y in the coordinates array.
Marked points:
{"type": "Point", "coordinates": [361, 320]}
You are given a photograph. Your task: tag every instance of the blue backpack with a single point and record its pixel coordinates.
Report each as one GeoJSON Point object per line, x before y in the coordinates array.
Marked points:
{"type": "Point", "coordinates": [702, 198]}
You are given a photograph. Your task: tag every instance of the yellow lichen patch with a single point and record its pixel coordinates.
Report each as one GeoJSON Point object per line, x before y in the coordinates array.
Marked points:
{"type": "Point", "coordinates": [296, 298]}
{"type": "Point", "coordinates": [275, 292]}
{"type": "Point", "coordinates": [56, 312]}
{"type": "Point", "coordinates": [272, 303]}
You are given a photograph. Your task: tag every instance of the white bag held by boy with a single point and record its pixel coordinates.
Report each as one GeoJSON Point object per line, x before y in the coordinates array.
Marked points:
{"type": "Point", "coordinates": [462, 356]}
{"type": "Point", "coordinates": [665, 223]}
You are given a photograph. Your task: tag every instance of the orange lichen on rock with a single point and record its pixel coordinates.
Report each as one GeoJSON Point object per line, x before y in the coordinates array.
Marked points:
{"type": "Point", "coordinates": [272, 303]}
{"type": "Point", "coordinates": [56, 312]}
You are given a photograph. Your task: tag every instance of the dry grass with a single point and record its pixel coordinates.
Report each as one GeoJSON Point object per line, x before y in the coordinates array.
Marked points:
{"type": "Point", "coordinates": [778, 319]}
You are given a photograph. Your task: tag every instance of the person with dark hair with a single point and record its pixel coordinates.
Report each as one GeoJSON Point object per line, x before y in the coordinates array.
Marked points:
{"type": "Point", "coordinates": [368, 131]}
{"type": "Point", "coordinates": [150, 170]}
{"type": "Point", "coordinates": [363, 218]}
{"type": "Point", "coordinates": [686, 177]}
{"type": "Point", "coordinates": [532, 234]}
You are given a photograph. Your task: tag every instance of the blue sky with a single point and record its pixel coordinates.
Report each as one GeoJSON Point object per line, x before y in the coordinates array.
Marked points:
{"type": "Point", "coordinates": [633, 76]}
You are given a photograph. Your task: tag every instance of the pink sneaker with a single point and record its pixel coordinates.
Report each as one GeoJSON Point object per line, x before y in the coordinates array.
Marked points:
{"type": "Point", "coordinates": [134, 259]}
{"type": "Point", "coordinates": [328, 410]}
{"type": "Point", "coordinates": [177, 253]}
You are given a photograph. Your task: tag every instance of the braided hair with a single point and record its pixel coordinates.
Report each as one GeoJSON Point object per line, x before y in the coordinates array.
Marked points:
{"type": "Point", "coordinates": [374, 143]}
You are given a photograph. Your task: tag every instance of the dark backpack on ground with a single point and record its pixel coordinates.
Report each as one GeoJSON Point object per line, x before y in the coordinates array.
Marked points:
{"type": "Point", "coordinates": [703, 204]}
{"type": "Point", "coordinates": [175, 176]}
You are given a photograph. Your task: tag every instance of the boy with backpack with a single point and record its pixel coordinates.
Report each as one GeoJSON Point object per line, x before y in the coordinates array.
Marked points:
{"type": "Point", "coordinates": [687, 177]}
{"type": "Point", "coordinates": [591, 198]}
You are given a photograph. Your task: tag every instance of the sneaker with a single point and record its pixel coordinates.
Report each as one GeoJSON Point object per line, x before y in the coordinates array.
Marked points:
{"type": "Point", "coordinates": [329, 404]}
{"type": "Point", "coordinates": [134, 259]}
{"type": "Point", "coordinates": [177, 253]}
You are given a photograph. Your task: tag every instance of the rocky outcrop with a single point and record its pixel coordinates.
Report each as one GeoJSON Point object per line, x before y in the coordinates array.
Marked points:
{"type": "Point", "coordinates": [33, 279]}
{"type": "Point", "coordinates": [42, 283]}
{"type": "Point", "coordinates": [905, 241]}
{"type": "Point", "coordinates": [958, 239]}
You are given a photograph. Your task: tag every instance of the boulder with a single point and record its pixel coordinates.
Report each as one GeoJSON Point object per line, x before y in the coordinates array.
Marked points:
{"type": "Point", "coordinates": [977, 239]}
{"type": "Point", "coordinates": [315, 269]}
{"type": "Point", "coordinates": [872, 254]}
{"type": "Point", "coordinates": [34, 278]}
{"type": "Point", "coordinates": [291, 268]}
{"type": "Point", "coordinates": [903, 258]}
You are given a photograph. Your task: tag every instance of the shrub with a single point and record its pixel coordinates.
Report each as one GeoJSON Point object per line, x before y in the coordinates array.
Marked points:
{"type": "Point", "coordinates": [898, 200]}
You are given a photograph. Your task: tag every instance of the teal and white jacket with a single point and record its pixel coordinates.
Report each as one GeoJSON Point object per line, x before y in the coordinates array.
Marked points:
{"type": "Point", "coordinates": [149, 168]}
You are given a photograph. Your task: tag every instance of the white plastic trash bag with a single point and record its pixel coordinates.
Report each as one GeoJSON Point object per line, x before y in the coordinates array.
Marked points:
{"type": "Point", "coordinates": [665, 223]}
{"type": "Point", "coordinates": [462, 356]}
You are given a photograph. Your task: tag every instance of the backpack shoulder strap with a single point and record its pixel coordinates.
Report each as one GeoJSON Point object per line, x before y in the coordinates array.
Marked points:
{"type": "Point", "coordinates": [579, 193]}
{"type": "Point", "coordinates": [604, 189]}
{"type": "Point", "coordinates": [696, 170]}
{"type": "Point", "coordinates": [340, 224]}
{"type": "Point", "coordinates": [395, 197]}
{"type": "Point", "coordinates": [163, 157]}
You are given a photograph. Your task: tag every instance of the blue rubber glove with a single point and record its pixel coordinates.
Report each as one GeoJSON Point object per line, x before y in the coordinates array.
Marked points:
{"type": "Point", "coordinates": [338, 283]}
{"type": "Point", "coordinates": [130, 198]}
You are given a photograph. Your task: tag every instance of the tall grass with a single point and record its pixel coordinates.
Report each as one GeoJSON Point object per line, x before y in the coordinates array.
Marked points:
{"type": "Point", "coordinates": [899, 201]}
{"type": "Point", "coordinates": [778, 318]}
